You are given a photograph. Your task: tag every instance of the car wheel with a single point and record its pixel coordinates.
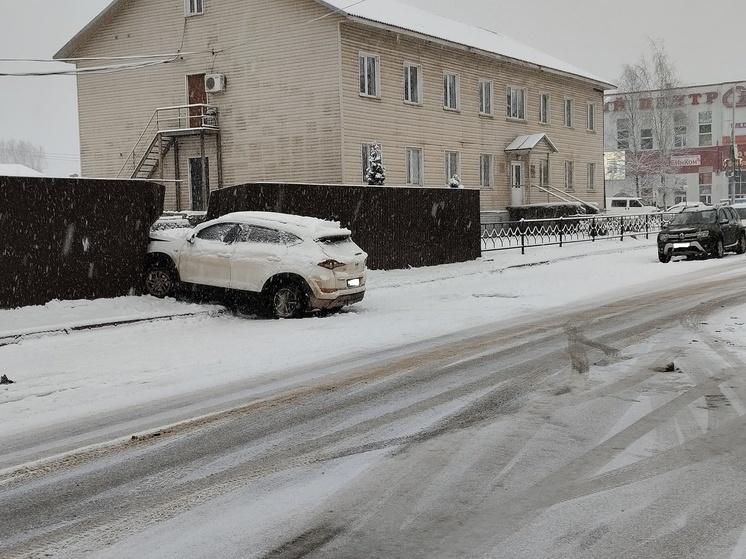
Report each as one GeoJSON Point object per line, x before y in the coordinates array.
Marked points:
{"type": "Point", "coordinates": [719, 250]}
{"type": "Point", "coordinates": [160, 280]}
{"type": "Point", "coordinates": [288, 300]}
{"type": "Point", "coordinates": [741, 246]}
{"type": "Point", "coordinates": [665, 258]}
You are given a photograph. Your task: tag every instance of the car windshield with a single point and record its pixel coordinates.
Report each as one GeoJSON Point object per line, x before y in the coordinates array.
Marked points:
{"type": "Point", "coordinates": [687, 218]}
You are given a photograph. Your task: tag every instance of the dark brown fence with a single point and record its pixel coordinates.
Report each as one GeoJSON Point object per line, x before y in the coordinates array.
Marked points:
{"type": "Point", "coordinates": [73, 238]}
{"type": "Point", "coordinates": [398, 227]}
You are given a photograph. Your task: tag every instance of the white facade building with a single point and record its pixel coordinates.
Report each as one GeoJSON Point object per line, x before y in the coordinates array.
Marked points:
{"type": "Point", "coordinates": [675, 145]}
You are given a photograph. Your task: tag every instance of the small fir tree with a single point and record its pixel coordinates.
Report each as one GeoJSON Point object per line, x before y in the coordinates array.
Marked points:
{"type": "Point", "coordinates": [376, 174]}
{"type": "Point", "coordinates": [455, 182]}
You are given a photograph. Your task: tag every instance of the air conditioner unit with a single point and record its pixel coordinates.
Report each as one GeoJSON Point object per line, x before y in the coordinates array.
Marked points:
{"type": "Point", "coordinates": [214, 82]}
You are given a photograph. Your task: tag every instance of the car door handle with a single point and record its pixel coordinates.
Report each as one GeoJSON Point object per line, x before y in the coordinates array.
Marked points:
{"type": "Point", "coordinates": [273, 258]}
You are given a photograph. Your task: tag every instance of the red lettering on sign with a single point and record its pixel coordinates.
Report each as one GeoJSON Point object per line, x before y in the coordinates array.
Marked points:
{"type": "Point", "coordinates": [619, 104]}
{"type": "Point", "coordinates": [728, 97]}
{"type": "Point", "coordinates": [678, 100]}
{"type": "Point", "coordinates": [711, 96]}
{"type": "Point", "coordinates": [646, 103]}
{"type": "Point", "coordinates": [695, 98]}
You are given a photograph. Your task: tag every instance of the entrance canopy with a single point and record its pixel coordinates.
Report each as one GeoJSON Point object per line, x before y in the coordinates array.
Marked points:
{"type": "Point", "coordinates": [524, 144]}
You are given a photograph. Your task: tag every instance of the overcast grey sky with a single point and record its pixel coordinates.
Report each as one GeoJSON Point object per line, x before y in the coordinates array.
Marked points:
{"type": "Point", "coordinates": [704, 40]}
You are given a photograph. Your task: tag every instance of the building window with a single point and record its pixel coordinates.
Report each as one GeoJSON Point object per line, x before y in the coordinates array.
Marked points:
{"type": "Point", "coordinates": [591, 112]}
{"type": "Point", "coordinates": [705, 128]}
{"type": "Point", "coordinates": [569, 175]}
{"type": "Point", "coordinates": [413, 157]}
{"type": "Point", "coordinates": [485, 170]}
{"type": "Point", "coordinates": [679, 130]}
{"type": "Point", "coordinates": [569, 110]}
{"type": "Point", "coordinates": [450, 91]}
{"type": "Point", "coordinates": [705, 187]}
{"type": "Point", "coordinates": [369, 72]}
{"type": "Point", "coordinates": [544, 108]}
{"type": "Point", "coordinates": [543, 172]}
{"type": "Point", "coordinates": [193, 7]}
{"type": "Point", "coordinates": [516, 103]}
{"type": "Point", "coordinates": [485, 97]}
{"type": "Point", "coordinates": [452, 165]}
{"type": "Point", "coordinates": [646, 138]}
{"type": "Point", "coordinates": [591, 176]}
{"type": "Point", "coordinates": [413, 83]}
{"type": "Point", "coordinates": [367, 149]}
{"type": "Point", "coordinates": [622, 133]}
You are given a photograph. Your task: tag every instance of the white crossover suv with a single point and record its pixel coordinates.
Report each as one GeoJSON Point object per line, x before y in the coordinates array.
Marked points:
{"type": "Point", "coordinates": [288, 264]}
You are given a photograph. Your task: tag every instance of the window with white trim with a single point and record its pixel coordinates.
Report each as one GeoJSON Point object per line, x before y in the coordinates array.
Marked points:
{"type": "Point", "coordinates": [591, 117]}
{"type": "Point", "coordinates": [569, 175]}
{"type": "Point", "coordinates": [193, 7]}
{"type": "Point", "coordinates": [543, 172]}
{"type": "Point", "coordinates": [452, 165]}
{"type": "Point", "coordinates": [485, 97]}
{"type": "Point", "coordinates": [705, 128]}
{"type": "Point", "coordinates": [591, 176]}
{"type": "Point", "coordinates": [516, 107]}
{"type": "Point", "coordinates": [369, 75]}
{"type": "Point", "coordinates": [450, 91]}
{"type": "Point", "coordinates": [413, 161]}
{"type": "Point", "coordinates": [486, 175]}
{"type": "Point", "coordinates": [646, 138]}
{"type": "Point", "coordinates": [544, 108]}
{"type": "Point", "coordinates": [412, 83]}
{"type": "Point", "coordinates": [569, 113]}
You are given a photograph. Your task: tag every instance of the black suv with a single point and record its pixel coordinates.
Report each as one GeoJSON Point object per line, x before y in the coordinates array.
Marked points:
{"type": "Point", "coordinates": [698, 231]}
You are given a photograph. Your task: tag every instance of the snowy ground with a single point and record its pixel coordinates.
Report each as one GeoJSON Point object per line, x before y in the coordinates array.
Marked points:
{"type": "Point", "coordinates": [201, 346]}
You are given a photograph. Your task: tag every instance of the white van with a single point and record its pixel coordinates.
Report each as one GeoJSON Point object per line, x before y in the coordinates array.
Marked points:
{"type": "Point", "coordinates": [624, 205]}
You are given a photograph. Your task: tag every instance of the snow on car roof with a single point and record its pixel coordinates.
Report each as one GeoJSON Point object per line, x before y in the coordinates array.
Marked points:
{"type": "Point", "coordinates": [304, 226]}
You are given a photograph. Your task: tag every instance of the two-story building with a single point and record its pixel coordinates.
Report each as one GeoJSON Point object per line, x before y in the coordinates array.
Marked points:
{"type": "Point", "coordinates": [201, 94]}
{"type": "Point", "coordinates": [676, 144]}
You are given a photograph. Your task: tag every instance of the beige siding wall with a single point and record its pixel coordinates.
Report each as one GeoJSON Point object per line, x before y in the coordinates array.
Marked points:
{"type": "Point", "coordinates": [279, 115]}
{"type": "Point", "coordinates": [397, 125]}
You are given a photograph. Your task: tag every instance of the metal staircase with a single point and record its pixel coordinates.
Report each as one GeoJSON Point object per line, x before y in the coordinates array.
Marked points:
{"type": "Point", "coordinates": [563, 195]}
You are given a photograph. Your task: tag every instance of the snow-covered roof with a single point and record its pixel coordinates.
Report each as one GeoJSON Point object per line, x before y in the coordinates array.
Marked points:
{"type": "Point", "coordinates": [421, 22]}
{"type": "Point", "coordinates": [16, 170]}
{"type": "Point", "coordinates": [529, 142]}
{"type": "Point", "coordinates": [403, 18]}
{"type": "Point", "coordinates": [303, 226]}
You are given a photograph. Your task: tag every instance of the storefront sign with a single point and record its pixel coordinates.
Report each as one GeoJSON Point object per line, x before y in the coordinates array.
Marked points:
{"type": "Point", "coordinates": [686, 160]}
{"type": "Point", "coordinates": [679, 100]}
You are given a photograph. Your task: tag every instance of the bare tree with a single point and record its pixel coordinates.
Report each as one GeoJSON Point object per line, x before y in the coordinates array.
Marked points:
{"type": "Point", "coordinates": [23, 153]}
{"type": "Point", "coordinates": [651, 104]}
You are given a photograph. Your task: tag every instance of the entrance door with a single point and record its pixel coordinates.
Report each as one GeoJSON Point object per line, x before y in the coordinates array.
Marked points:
{"type": "Point", "coordinates": [199, 190]}
{"type": "Point", "coordinates": [196, 95]}
{"type": "Point", "coordinates": [516, 183]}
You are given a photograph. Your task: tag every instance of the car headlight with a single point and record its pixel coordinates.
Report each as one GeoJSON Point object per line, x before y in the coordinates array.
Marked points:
{"type": "Point", "coordinates": [703, 234]}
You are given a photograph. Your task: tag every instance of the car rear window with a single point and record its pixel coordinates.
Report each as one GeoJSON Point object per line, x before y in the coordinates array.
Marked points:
{"type": "Point", "coordinates": [334, 239]}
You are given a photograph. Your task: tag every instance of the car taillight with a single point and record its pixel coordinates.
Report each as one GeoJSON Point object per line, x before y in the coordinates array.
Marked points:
{"type": "Point", "coordinates": [331, 264]}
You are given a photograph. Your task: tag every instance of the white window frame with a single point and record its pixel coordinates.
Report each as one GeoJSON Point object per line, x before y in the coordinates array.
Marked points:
{"type": "Point", "coordinates": [591, 117]}
{"type": "Point", "coordinates": [569, 175]}
{"type": "Point", "coordinates": [412, 95]}
{"type": "Point", "coordinates": [410, 170]}
{"type": "Point", "coordinates": [591, 176]}
{"type": "Point", "coordinates": [452, 159]}
{"type": "Point", "coordinates": [516, 102]}
{"type": "Point", "coordinates": [569, 112]}
{"type": "Point", "coordinates": [544, 108]}
{"type": "Point", "coordinates": [486, 170]}
{"type": "Point", "coordinates": [194, 7]}
{"type": "Point", "coordinates": [646, 140]}
{"type": "Point", "coordinates": [485, 97]}
{"type": "Point", "coordinates": [451, 87]}
{"type": "Point", "coordinates": [704, 120]}
{"type": "Point", "coordinates": [365, 82]}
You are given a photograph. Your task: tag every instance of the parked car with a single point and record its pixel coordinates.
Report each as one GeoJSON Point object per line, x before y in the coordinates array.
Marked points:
{"type": "Point", "coordinates": [740, 208]}
{"type": "Point", "coordinates": [628, 205]}
{"type": "Point", "coordinates": [287, 264]}
{"type": "Point", "coordinates": [702, 232]}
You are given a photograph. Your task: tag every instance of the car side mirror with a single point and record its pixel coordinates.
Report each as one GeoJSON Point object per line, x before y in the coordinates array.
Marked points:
{"type": "Point", "coordinates": [191, 237]}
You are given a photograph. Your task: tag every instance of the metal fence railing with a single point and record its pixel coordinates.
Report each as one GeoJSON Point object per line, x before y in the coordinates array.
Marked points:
{"type": "Point", "coordinates": [558, 231]}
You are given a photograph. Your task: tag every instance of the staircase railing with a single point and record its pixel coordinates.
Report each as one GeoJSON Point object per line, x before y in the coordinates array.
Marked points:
{"type": "Point", "coordinates": [561, 194]}
{"type": "Point", "coordinates": [165, 120]}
